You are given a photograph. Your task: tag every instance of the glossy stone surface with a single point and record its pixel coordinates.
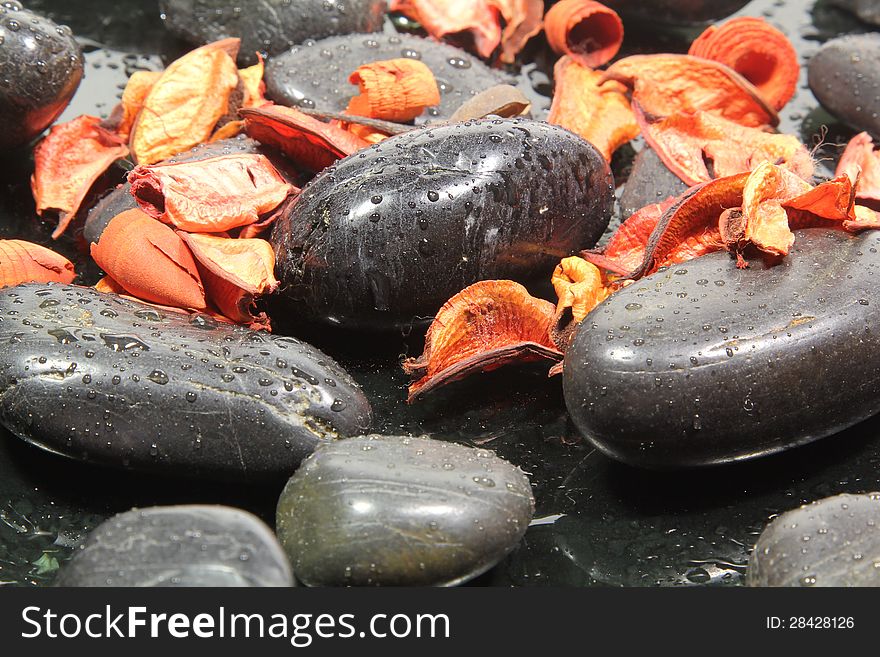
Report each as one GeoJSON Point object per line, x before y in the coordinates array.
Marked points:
{"type": "Point", "coordinates": [389, 234]}
{"type": "Point", "coordinates": [650, 181]}
{"type": "Point", "coordinates": [179, 546]}
{"type": "Point", "coordinates": [104, 379]}
{"type": "Point", "coordinates": [315, 74]}
{"type": "Point", "coordinates": [676, 12]}
{"type": "Point", "coordinates": [41, 66]}
{"type": "Point", "coordinates": [269, 27]}
{"type": "Point", "coordinates": [831, 542]}
{"type": "Point", "coordinates": [704, 363]}
{"type": "Point", "coordinates": [391, 510]}
{"type": "Point", "coordinates": [866, 10]}
{"type": "Point", "coordinates": [845, 78]}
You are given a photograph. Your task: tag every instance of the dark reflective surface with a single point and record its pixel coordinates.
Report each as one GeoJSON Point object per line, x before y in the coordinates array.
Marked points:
{"type": "Point", "coordinates": [597, 522]}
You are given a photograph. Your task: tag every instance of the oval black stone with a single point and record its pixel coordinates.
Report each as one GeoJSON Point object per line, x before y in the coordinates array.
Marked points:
{"type": "Point", "coordinates": [832, 542]}
{"type": "Point", "coordinates": [179, 546]}
{"type": "Point", "coordinates": [390, 510]}
{"type": "Point", "coordinates": [650, 181]}
{"type": "Point", "coordinates": [866, 10]}
{"type": "Point", "coordinates": [389, 234]}
{"type": "Point", "coordinates": [704, 363]}
{"type": "Point", "coordinates": [104, 379]}
{"type": "Point", "coordinates": [677, 12]}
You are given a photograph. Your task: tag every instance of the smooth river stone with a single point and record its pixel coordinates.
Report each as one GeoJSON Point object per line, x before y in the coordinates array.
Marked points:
{"type": "Point", "coordinates": [315, 74]}
{"type": "Point", "coordinates": [866, 10]}
{"type": "Point", "coordinates": [104, 379]}
{"type": "Point", "coordinates": [390, 510]}
{"type": "Point", "coordinates": [845, 78]}
{"type": "Point", "coordinates": [650, 181]}
{"type": "Point", "coordinates": [179, 546]}
{"type": "Point", "coordinates": [704, 363]}
{"type": "Point", "coordinates": [832, 542]}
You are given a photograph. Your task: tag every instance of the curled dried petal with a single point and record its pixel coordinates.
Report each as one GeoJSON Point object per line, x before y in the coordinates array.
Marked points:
{"type": "Point", "coordinates": [667, 84]}
{"type": "Point", "coordinates": [862, 163]}
{"type": "Point", "coordinates": [227, 131]}
{"type": "Point", "coordinates": [485, 326]}
{"type": "Point", "coordinates": [210, 195]}
{"type": "Point", "coordinates": [579, 285]}
{"type": "Point", "coordinates": [393, 90]}
{"type": "Point", "coordinates": [832, 200]}
{"type": "Point", "coordinates": [67, 162]}
{"type": "Point", "coordinates": [756, 50]}
{"type": "Point", "coordinates": [600, 114]}
{"type": "Point", "coordinates": [149, 261]}
{"type": "Point", "coordinates": [587, 31]}
{"type": "Point", "coordinates": [185, 103]}
{"type": "Point", "coordinates": [766, 221]}
{"type": "Point", "coordinates": [136, 90]}
{"type": "Point", "coordinates": [866, 219]}
{"type": "Point", "coordinates": [307, 141]}
{"type": "Point", "coordinates": [453, 18]}
{"type": "Point", "coordinates": [524, 19]}
{"type": "Point", "coordinates": [26, 262]}
{"type": "Point", "coordinates": [252, 81]}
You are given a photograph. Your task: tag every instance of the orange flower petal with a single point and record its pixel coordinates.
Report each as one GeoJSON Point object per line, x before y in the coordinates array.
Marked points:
{"type": "Point", "coordinates": [862, 164]}
{"type": "Point", "coordinates": [600, 114]}
{"type": "Point", "coordinates": [579, 285]}
{"type": "Point", "coordinates": [524, 19]}
{"type": "Point", "coordinates": [832, 200]}
{"type": "Point", "coordinates": [109, 286]}
{"type": "Point", "coordinates": [756, 50]}
{"type": "Point", "coordinates": [588, 32]}
{"type": "Point", "coordinates": [668, 84]}
{"type": "Point", "coordinates": [185, 103]}
{"type": "Point", "coordinates": [393, 90]}
{"type": "Point", "coordinates": [150, 261]}
{"type": "Point", "coordinates": [866, 219]}
{"type": "Point", "coordinates": [307, 141]}
{"type": "Point", "coordinates": [67, 162]}
{"type": "Point", "coordinates": [442, 18]}
{"type": "Point", "coordinates": [228, 131]}
{"type": "Point", "coordinates": [25, 262]}
{"type": "Point", "coordinates": [210, 195]}
{"type": "Point", "coordinates": [485, 326]}
{"type": "Point", "coordinates": [136, 90]}
{"type": "Point", "coordinates": [254, 87]}
{"type": "Point", "coordinates": [766, 221]}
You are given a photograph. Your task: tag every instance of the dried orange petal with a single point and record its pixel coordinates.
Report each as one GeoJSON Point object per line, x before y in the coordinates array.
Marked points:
{"type": "Point", "coordinates": [228, 131]}
{"type": "Point", "coordinates": [252, 80]}
{"type": "Point", "coordinates": [212, 195]}
{"type": "Point", "coordinates": [756, 50]}
{"type": "Point", "coordinates": [862, 163]}
{"type": "Point", "coordinates": [600, 114]}
{"type": "Point", "coordinates": [766, 221]}
{"type": "Point", "coordinates": [149, 260]}
{"type": "Point", "coordinates": [185, 103]}
{"type": "Point", "coordinates": [67, 162]}
{"type": "Point", "coordinates": [524, 19]}
{"type": "Point", "coordinates": [588, 32]}
{"type": "Point", "coordinates": [442, 18]}
{"type": "Point", "coordinates": [25, 262]}
{"type": "Point", "coordinates": [579, 285]}
{"type": "Point", "coordinates": [485, 326]}
{"type": "Point", "coordinates": [136, 90]}
{"type": "Point", "coordinates": [393, 90]}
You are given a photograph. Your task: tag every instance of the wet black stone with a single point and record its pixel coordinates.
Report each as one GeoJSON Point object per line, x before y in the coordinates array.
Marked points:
{"type": "Point", "coordinates": [41, 66]}
{"type": "Point", "coordinates": [179, 546]}
{"type": "Point", "coordinates": [866, 10]}
{"type": "Point", "coordinates": [269, 27]}
{"type": "Point", "coordinates": [649, 182]}
{"type": "Point", "coordinates": [389, 234]}
{"type": "Point", "coordinates": [389, 510]}
{"type": "Point", "coordinates": [704, 363]}
{"type": "Point", "coordinates": [844, 76]}
{"type": "Point", "coordinates": [315, 74]}
{"type": "Point", "coordinates": [676, 12]}
{"type": "Point", "coordinates": [832, 542]}
{"type": "Point", "coordinates": [103, 379]}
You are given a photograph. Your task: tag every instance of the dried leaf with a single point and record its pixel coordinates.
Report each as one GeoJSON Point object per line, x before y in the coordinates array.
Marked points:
{"type": "Point", "coordinates": [67, 162]}
{"type": "Point", "coordinates": [149, 261]}
{"type": "Point", "coordinates": [600, 114]}
{"type": "Point", "coordinates": [862, 164]}
{"type": "Point", "coordinates": [588, 32]}
{"type": "Point", "coordinates": [485, 326]}
{"type": "Point", "coordinates": [393, 90]}
{"type": "Point", "coordinates": [212, 195]}
{"type": "Point", "coordinates": [25, 262]}
{"type": "Point", "coordinates": [185, 103]}
{"type": "Point", "coordinates": [756, 50]}
{"type": "Point", "coordinates": [502, 100]}
{"type": "Point", "coordinates": [450, 18]}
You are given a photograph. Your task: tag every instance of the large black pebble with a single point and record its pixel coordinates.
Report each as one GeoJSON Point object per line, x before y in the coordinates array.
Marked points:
{"type": "Point", "coordinates": [41, 66]}
{"type": "Point", "coordinates": [395, 511]}
{"type": "Point", "coordinates": [866, 10]}
{"type": "Point", "coordinates": [387, 235]}
{"type": "Point", "coordinates": [269, 27]}
{"type": "Point", "coordinates": [832, 542]}
{"type": "Point", "coordinates": [704, 363]}
{"type": "Point", "coordinates": [677, 12]}
{"type": "Point", "coordinates": [845, 78]}
{"type": "Point", "coordinates": [315, 74]}
{"type": "Point", "coordinates": [104, 379]}
{"type": "Point", "coordinates": [649, 182]}
{"type": "Point", "coordinates": [179, 546]}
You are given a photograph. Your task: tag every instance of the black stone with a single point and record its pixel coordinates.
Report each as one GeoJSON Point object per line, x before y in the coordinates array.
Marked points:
{"type": "Point", "coordinates": [179, 546]}
{"type": "Point", "coordinates": [389, 234]}
{"type": "Point", "coordinates": [866, 10]}
{"type": "Point", "coordinates": [315, 74]}
{"type": "Point", "coordinates": [844, 77]}
{"type": "Point", "coordinates": [41, 66]}
{"type": "Point", "coordinates": [649, 182]}
{"type": "Point", "coordinates": [832, 542]}
{"type": "Point", "coordinates": [677, 12]}
{"type": "Point", "coordinates": [389, 510]}
{"type": "Point", "coordinates": [704, 363]}
{"type": "Point", "coordinates": [100, 378]}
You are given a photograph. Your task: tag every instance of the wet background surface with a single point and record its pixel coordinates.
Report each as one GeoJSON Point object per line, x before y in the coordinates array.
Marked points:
{"type": "Point", "coordinates": [597, 522]}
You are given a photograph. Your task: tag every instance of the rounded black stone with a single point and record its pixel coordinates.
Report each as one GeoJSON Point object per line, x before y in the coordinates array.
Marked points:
{"type": "Point", "coordinates": [650, 181]}
{"type": "Point", "coordinates": [704, 363]}
{"type": "Point", "coordinates": [388, 234]}
{"type": "Point", "coordinates": [390, 510]}
{"type": "Point", "coordinates": [677, 12]}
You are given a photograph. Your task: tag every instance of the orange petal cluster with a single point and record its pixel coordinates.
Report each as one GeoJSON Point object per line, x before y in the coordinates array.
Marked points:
{"type": "Point", "coordinates": [25, 262]}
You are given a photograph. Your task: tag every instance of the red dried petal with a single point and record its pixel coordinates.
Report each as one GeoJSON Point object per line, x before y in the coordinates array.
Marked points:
{"type": "Point", "coordinates": [862, 163]}
{"type": "Point", "coordinates": [393, 90]}
{"type": "Point", "coordinates": [524, 19]}
{"type": "Point", "coordinates": [442, 18]}
{"type": "Point", "coordinates": [588, 32]}
{"type": "Point", "coordinates": [25, 262]}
